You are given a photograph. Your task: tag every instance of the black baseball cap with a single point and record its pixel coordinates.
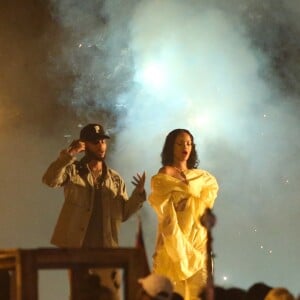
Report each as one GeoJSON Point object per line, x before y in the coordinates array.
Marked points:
{"type": "Point", "coordinates": [93, 132]}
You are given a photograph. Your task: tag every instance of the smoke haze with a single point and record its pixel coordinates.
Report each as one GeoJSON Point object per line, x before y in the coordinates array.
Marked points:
{"type": "Point", "coordinates": [229, 72]}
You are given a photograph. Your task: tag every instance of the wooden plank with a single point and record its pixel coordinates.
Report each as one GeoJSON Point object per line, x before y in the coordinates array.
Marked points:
{"type": "Point", "coordinates": [68, 257]}
{"type": "Point", "coordinates": [26, 264]}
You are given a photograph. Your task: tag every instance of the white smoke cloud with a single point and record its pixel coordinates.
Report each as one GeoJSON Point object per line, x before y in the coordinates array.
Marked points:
{"type": "Point", "coordinates": [160, 65]}
{"type": "Point", "coordinates": [143, 68]}
{"type": "Point", "coordinates": [197, 67]}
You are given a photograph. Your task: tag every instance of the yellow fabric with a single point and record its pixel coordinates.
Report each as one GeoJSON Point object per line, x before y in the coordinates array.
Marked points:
{"type": "Point", "coordinates": [180, 252]}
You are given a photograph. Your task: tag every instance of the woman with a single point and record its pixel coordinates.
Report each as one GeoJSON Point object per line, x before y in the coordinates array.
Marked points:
{"type": "Point", "coordinates": [180, 193]}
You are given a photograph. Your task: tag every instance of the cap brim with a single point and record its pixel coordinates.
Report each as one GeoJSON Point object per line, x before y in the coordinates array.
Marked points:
{"type": "Point", "coordinates": [97, 138]}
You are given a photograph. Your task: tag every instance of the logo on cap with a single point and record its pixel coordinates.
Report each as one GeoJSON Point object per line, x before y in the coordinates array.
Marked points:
{"type": "Point", "coordinates": [97, 128]}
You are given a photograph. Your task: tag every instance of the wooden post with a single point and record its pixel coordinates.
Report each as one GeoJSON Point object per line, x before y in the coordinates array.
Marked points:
{"type": "Point", "coordinates": [26, 276]}
{"type": "Point", "coordinates": [4, 285]}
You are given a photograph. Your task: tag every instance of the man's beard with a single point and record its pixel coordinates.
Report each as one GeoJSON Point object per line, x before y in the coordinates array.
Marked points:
{"type": "Point", "coordinates": [92, 156]}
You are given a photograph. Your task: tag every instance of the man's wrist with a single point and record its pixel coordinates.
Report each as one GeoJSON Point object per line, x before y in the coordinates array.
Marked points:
{"type": "Point", "coordinates": [71, 151]}
{"type": "Point", "coordinates": [142, 193]}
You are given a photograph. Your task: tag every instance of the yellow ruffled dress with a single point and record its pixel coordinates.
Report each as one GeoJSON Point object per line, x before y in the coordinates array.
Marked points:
{"type": "Point", "coordinates": [180, 251]}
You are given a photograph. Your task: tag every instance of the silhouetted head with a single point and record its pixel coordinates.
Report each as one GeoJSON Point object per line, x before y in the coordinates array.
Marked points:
{"type": "Point", "coordinates": [176, 296]}
{"type": "Point", "coordinates": [279, 293]}
{"type": "Point", "coordinates": [235, 294]}
{"type": "Point", "coordinates": [257, 291]}
{"type": "Point", "coordinates": [156, 287]}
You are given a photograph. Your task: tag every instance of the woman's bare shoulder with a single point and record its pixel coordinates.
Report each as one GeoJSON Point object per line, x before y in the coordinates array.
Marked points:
{"type": "Point", "coordinates": [166, 170]}
{"type": "Point", "coordinates": [162, 170]}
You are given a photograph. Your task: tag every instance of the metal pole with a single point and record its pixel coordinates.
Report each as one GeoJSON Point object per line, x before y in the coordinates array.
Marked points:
{"type": "Point", "coordinates": [208, 220]}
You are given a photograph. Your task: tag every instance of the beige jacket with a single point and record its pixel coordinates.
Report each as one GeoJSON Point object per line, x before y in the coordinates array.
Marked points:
{"type": "Point", "coordinates": [79, 192]}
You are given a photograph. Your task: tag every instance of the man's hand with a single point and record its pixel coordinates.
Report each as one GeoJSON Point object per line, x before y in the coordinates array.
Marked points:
{"type": "Point", "coordinates": [76, 147]}
{"type": "Point", "coordinates": [139, 182]}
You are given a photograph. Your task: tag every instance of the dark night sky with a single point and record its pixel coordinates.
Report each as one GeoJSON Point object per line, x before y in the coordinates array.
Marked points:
{"type": "Point", "coordinates": [232, 78]}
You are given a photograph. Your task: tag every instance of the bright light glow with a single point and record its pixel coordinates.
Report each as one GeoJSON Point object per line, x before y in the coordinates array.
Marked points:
{"type": "Point", "coordinates": [202, 121]}
{"type": "Point", "coordinates": [225, 278]}
{"type": "Point", "coordinates": [153, 75]}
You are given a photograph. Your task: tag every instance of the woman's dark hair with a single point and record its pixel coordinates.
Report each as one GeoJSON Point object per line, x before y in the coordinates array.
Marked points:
{"type": "Point", "coordinates": [167, 154]}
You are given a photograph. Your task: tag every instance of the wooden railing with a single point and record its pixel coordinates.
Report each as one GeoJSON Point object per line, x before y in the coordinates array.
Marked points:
{"type": "Point", "coordinates": [26, 262]}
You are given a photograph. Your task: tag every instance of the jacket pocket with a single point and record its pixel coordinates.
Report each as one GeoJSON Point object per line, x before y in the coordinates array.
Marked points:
{"type": "Point", "coordinates": [78, 195]}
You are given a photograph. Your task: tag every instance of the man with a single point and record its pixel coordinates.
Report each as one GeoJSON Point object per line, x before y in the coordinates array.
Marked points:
{"type": "Point", "coordinates": [96, 200]}
{"type": "Point", "coordinates": [155, 287]}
